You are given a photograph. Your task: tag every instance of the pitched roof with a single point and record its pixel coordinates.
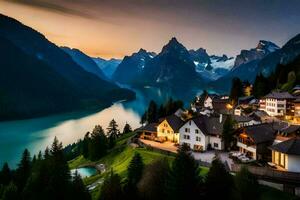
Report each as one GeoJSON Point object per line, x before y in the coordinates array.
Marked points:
{"type": "Point", "coordinates": [261, 133]}
{"type": "Point", "coordinates": [241, 118]}
{"type": "Point", "coordinates": [209, 125]}
{"type": "Point", "coordinates": [291, 146]}
{"type": "Point", "coordinates": [280, 95]}
{"type": "Point", "coordinates": [152, 127]}
{"type": "Point", "coordinates": [174, 121]}
{"type": "Point", "coordinates": [290, 129]}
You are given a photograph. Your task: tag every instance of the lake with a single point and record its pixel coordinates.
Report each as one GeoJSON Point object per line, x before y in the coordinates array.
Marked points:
{"type": "Point", "coordinates": [36, 134]}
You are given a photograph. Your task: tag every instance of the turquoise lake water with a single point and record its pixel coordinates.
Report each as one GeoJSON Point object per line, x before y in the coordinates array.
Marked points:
{"type": "Point", "coordinates": [36, 134]}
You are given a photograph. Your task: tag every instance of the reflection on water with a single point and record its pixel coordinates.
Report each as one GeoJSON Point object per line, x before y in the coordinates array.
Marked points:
{"type": "Point", "coordinates": [36, 134]}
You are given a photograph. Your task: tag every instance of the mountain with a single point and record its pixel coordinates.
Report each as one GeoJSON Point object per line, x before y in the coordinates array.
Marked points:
{"type": "Point", "coordinates": [262, 49]}
{"type": "Point", "coordinates": [42, 63]}
{"type": "Point", "coordinates": [211, 67]}
{"type": "Point", "coordinates": [132, 67]}
{"type": "Point", "coordinates": [107, 66]}
{"type": "Point", "coordinates": [265, 62]}
{"type": "Point", "coordinates": [84, 61]}
{"type": "Point", "coordinates": [171, 68]}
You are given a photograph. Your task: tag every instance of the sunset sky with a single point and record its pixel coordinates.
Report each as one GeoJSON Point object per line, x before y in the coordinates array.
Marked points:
{"type": "Point", "coordinates": [114, 28]}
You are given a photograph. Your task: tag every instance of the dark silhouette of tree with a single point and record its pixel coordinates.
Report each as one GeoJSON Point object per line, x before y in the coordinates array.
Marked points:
{"type": "Point", "coordinates": [219, 182]}
{"type": "Point", "coordinates": [85, 145]}
{"type": "Point", "coordinates": [23, 170]}
{"type": "Point", "coordinates": [184, 176]}
{"type": "Point", "coordinates": [134, 175]}
{"type": "Point", "coordinates": [112, 132]}
{"type": "Point", "coordinates": [111, 189]}
{"type": "Point", "coordinates": [5, 175]}
{"type": "Point", "coordinates": [98, 143]}
{"type": "Point", "coordinates": [236, 90]}
{"type": "Point", "coordinates": [246, 185]}
{"type": "Point", "coordinates": [154, 180]}
{"type": "Point", "coordinates": [79, 191]}
{"type": "Point", "coordinates": [228, 132]}
{"type": "Point", "coordinates": [127, 128]}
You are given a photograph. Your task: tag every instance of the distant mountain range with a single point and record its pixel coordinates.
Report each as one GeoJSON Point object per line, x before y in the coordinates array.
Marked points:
{"type": "Point", "coordinates": [39, 78]}
{"type": "Point", "coordinates": [176, 67]}
{"type": "Point", "coordinates": [263, 59]}
{"type": "Point", "coordinates": [107, 66]}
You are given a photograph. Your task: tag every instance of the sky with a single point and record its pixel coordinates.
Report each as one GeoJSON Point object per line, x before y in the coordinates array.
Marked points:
{"type": "Point", "coordinates": [115, 28]}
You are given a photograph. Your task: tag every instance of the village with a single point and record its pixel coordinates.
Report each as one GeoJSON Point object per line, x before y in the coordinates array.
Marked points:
{"type": "Point", "coordinates": [265, 131]}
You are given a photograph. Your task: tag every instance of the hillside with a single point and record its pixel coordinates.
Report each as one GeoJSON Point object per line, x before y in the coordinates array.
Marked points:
{"type": "Point", "coordinates": [39, 78]}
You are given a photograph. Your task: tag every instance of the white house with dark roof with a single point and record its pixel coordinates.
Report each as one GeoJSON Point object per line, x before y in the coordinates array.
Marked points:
{"type": "Point", "coordinates": [242, 121]}
{"type": "Point", "coordinates": [201, 132]}
{"type": "Point", "coordinates": [277, 103]}
{"type": "Point", "coordinates": [286, 155]}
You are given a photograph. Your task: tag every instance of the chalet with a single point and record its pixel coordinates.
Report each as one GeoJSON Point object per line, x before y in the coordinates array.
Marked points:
{"type": "Point", "coordinates": [203, 132]}
{"type": "Point", "coordinates": [148, 131]}
{"type": "Point", "coordinates": [278, 103]}
{"type": "Point", "coordinates": [168, 128]}
{"type": "Point", "coordinates": [238, 110]}
{"type": "Point", "coordinates": [286, 155]}
{"type": "Point", "coordinates": [242, 121]}
{"type": "Point", "coordinates": [255, 140]}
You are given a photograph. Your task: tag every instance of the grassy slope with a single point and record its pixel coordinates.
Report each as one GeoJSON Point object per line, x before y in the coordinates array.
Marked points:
{"type": "Point", "coordinates": [119, 158]}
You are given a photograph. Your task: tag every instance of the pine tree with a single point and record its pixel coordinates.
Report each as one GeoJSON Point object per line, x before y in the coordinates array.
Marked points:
{"type": "Point", "coordinates": [98, 143]}
{"type": "Point", "coordinates": [218, 181]}
{"type": "Point", "coordinates": [236, 90]}
{"type": "Point", "coordinates": [78, 189]}
{"type": "Point", "coordinates": [111, 189]}
{"type": "Point", "coordinates": [85, 145]}
{"type": "Point", "coordinates": [127, 128]}
{"type": "Point", "coordinates": [112, 132]}
{"type": "Point", "coordinates": [23, 170]}
{"type": "Point", "coordinates": [5, 175]}
{"type": "Point", "coordinates": [152, 112]}
{"type": "Point", "coordinates": [228, 132]}
{"type": "Point", "coordinates": [246, 185]}
{"type": "Point", "coordinates": [134, 174]}
{"type": "Point", "coordinates": [184, 175]}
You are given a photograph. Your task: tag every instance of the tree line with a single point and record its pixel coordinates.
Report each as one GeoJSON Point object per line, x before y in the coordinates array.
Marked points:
{"type": "Point", "coordinates": [155, 112]}
{"type": "Point", "coordinates": [95, 144]}
{"type": "Point", "coordinates": [284, 77]}
{"type": "Point", "coordinates": [179, 180]}
{"type": "Point", "coordinates": [44, 176]}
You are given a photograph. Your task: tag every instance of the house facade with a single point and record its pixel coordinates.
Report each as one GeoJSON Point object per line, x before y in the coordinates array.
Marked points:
{"type": "Point", "coordinates": [168, 128]}
{"type": "Point", "coordinates": [255, 140]}
{"type": "Point", "coordinates": [278, 103]}
{"type": "Point", "coordinates": [286, 155]}
{"type": "Point", "coordinates": [203, 132]}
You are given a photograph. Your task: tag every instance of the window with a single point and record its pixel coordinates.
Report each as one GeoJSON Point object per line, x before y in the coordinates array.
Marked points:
{"type": "Point", "coordinates": [196, 131]}
{"type": "Point", "coordinates": [216, 145]}
{"type": "Point", "coordinates": [163, 130]}
{"type": "Point", "coordinates": [168, 131]}
{"type": "Point", "coordinates": [186, 137]}
{"type": "Point", "coordinates": [198, 139]}
{"type": "Point", "coordinates": [187, 130]}
{"type": "Point", "coordinates": [190, 122]}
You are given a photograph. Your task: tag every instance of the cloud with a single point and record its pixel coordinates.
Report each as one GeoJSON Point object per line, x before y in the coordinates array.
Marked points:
{"type": "Point", "coordinates": [52, 6]}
